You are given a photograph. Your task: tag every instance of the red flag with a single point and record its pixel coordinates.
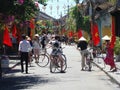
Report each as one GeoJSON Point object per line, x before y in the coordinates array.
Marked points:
{"type": "Point", "coordinates": [70, 34]}
{"type": "Point", "coordinates": [32, 24]}
{"type": "Point", "coordinates": [95, 35]}
{"type": "Point", "coordinates": [113, 39]}
{"type": "Point", "coordinates": [6, 38]}
{"type": "Point", "coordinates": [14, 31]}
{"type": "Point", "coordinates": [79, 33]}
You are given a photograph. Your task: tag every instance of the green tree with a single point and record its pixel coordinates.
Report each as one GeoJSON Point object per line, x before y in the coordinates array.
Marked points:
{"type": "Point", "coordinates": [76, 14]}
{"type": "Point", "coordinates": [21, 12]}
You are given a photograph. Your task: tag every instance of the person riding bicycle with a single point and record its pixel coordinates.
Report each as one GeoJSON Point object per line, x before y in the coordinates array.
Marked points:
{"type": "Point", "coordinates": [56, 50]}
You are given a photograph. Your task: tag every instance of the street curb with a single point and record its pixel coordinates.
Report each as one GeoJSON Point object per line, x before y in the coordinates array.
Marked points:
{"type": "Point", "coordinates": [10, 68]}
{"type": "Point", "coordinates": [15, 65]}
{"type": "Point", "coordinates": [116, 81]}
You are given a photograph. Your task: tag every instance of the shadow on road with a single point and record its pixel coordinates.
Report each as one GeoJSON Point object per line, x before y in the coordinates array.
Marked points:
{"type": "Point", "coordinates": [22, 82]}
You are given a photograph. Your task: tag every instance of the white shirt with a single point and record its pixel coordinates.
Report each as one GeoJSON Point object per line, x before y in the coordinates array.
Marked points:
{"type": "Point", "coordinates": [24, 46]}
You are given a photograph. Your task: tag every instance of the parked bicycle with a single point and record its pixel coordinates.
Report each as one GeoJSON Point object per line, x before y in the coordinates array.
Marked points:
{"type": "Point", "coordinates": [99, 56]}
{"type": "Point", "coordinates": [43, 58]}
{"type": "Point", "coordinates": [89, 60]}
{"type": "Point", "coordinates": [55, 63]}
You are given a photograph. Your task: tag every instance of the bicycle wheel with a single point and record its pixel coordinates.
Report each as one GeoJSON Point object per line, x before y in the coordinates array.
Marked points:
{"type": "Point", "coordinates": [43, 60]}
{"type": "Point", "coordinates": [52, 65]}
{"type": "Point", "coordinates": [100, 61]}
{"type": "Point", "coordinates": [64, 63]}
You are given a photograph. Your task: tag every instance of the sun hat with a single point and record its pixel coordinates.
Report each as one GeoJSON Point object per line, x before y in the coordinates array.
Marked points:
{"type": "Point", "coordinates": [28, 38]}
{"type": "Point", "coordinates": [106, 37]}
{"type": "Point", "coordinates": [37, 35]}
{"type": "Point", "coordinates": [82, 39]}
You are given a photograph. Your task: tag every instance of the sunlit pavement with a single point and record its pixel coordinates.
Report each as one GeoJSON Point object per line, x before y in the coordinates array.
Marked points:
{"type": "Point", "coordinates": [27, 80]}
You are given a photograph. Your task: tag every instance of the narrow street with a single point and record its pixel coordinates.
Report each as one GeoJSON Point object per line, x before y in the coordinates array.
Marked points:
{"type": "Point", "coordinates": [74, 79]}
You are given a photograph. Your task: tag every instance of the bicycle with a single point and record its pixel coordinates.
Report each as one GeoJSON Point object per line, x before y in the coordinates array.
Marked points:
{"type": "Point", "coordinates": [55, 63]}
{"type": "Point", "coordinates": [43, 59]}
{"type": "Point", "coordinates": [89, 60]}
{"type": "Point", "coordinates": [100, 56]}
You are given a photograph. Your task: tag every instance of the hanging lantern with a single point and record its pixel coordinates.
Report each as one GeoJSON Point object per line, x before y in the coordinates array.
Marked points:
{"type": "Point", "coordinates": [50, 8]}
{"type": "Point", "coordinates": [57, 9]}
{"type": "Point", "coordinates": [67, 0]}
{"type": "Point", "coordinates": [44, 7]}
{"type": "Point", "coordinates": [64, 7]}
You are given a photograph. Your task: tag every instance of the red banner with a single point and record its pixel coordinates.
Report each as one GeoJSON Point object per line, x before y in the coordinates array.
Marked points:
{"type": "Point", "coordinates": [95, 35]}
{"type": "Point", "coordinates": [14, 32]}
{"type": "Point", "coordinates": [32, 24]}
{"type": "Point", "coordinates": [79, 33]}
{"type": "Point", "coordinates": [70, 34]}
{"type": "Point", "coordinates": [6, 38]}
{"type": "Point", "coordinates": [113, 39]}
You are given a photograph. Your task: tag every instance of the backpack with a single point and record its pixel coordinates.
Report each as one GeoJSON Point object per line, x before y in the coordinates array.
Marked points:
{"type": "Point", "coordinates": [56, 44]}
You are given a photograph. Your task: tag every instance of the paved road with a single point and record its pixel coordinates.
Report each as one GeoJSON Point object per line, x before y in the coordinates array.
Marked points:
{"type": "Point", "coordinates": [74, 79]}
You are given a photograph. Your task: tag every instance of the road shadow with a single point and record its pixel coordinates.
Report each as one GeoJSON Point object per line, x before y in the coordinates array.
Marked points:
{"type": "Point", "coordinates": [23, 82]}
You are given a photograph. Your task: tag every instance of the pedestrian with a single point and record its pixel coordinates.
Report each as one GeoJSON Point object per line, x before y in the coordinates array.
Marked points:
{"type": "Point", "coordinates": [24, 48]}
{"type": "Point", "coordinates": [36, 47]}
{"type": "Point", "coordinates": [31, 51]}
{"type": "Point", "coordinates": [109, 60]}
{"type": "Point", "coordinates": [43, 41]}
{"type": "Point", "coordinates": [82, 46]}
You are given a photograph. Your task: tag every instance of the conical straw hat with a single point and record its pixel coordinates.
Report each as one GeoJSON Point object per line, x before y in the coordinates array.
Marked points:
{"type": "Point", "coordinates": [106, 38]}
{"type": "Point", "coordinates": [82, 39]}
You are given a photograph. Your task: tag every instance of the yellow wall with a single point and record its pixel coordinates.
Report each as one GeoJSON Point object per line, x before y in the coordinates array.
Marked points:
{"type": "Point", "coordinates": [106, 31]}
{"type": "Point", "coordinates": [113, 1]}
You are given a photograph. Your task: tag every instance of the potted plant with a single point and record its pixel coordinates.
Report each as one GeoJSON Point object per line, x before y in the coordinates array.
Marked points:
{"type": "Point", "coordinates": [117, 49]}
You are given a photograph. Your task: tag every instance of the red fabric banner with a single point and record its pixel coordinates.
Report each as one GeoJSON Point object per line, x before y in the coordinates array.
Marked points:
{"type": "Point", "coordinates": [70, 34]}
{"type": "Point", "coordinates": [14, 32]}
{"type": "Point", "coordinates": [79, 33]}
{"type": "Point", "coordinates": [32, 24]}
{"type": "Point", "coordinates": [113, 38]}
{"type": "Point", "coordinates": [95, 35]}
{"type": "Point", "coordinates": [6, 38]}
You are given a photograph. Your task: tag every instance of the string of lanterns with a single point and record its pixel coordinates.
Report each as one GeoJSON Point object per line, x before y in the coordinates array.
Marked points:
{"type": "Point", "coordinates": [58, 7]}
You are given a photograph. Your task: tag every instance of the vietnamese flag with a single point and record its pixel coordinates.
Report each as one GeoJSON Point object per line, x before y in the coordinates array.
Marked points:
{"type": "Point", "coordinates": [95, 35]}
{"type": "Point", "coordinates": [70, 34]}
{"type": "Point", "coordinates": [14, 31]}
{"type": "Point", "coordinates": [6, 38]}
{"type": "Point", "coordinates": [113, 38]}
{"type": "Point", "coordinates": [79, 33]}
{"type": "Point", "coordinates": [32, 24]}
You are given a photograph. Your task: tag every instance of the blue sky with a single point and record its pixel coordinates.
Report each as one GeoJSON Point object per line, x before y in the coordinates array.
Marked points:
{"type": "Point", "coordinates": [62, 6]}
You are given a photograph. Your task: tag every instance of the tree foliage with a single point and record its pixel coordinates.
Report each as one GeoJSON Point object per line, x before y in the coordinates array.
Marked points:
{"type": "Point", "coordinates": [21, 12]}
{"type": "Point", "coordinates": [76, 14]}
{"type": "Point", "coordinates": [77, 21]}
